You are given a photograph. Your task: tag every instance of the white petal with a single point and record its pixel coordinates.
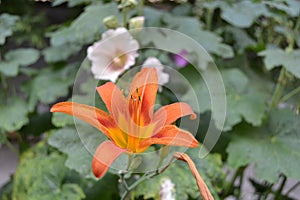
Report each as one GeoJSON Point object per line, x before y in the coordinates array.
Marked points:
{"type": "Point", "coordinates": [114, 43]}
{"type": "Point", "coordinates": [163, 77]}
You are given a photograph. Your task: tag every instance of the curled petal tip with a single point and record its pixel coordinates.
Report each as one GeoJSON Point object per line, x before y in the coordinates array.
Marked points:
{"type": "Point", "coordinates": [194, 144]}
{"type": "Point", "coordinates": [56, 107]}
{"type": "Point", "coordinates": [193, 116]}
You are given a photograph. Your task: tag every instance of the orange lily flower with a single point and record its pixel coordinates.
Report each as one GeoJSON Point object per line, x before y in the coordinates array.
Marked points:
{"type": "Point", "coordinates": [131, 125]}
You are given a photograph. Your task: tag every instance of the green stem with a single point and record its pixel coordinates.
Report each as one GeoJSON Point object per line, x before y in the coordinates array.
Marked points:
{"type": "Point", "coordinates": [4, 85]}
{"type": "Point", "coordinates": [279, 88]}
{"type": "Point", "coordinates": [268, 191]}
{"type": "Point", "coordinates": [130, 159]}
{"type": "Point", "coordinates": [208, 20]}
{"type": "Point", "coordinates": [292, 188]}
{"type": "Point", "coordinates": [141, 8]}
{"type": "Point", "coordinates": [297, 27]}
{"type": "Point", "coordinates": [12, 147]}
{"type": "Point", "coordinates": [279, 191]}
{"type": "Point", "coordinates": [123, 181]}
{"type": "Point", "coordinates": [142, 179]}
{"type": "Point", "coordinates": [240, 184]}
{"type": "Point", "coordinates": [145, 177]}
{"type": "Point", "coordinates": [124, 13]}
{"type": "Point", "coordinates": [230, 186]}
{"type": "Point", "coordinates": [290, 94]}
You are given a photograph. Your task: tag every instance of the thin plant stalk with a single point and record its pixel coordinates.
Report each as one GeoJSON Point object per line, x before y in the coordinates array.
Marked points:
{"type": "Point", "coordinates": [290, 94]}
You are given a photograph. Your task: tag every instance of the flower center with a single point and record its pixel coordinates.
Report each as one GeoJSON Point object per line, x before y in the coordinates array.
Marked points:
{"type": "Point", "coordinates": [120, 61]}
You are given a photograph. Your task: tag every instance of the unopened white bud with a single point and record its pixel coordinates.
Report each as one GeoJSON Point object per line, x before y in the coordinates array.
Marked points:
{"type": "Point", "coordinates": [136, 22]}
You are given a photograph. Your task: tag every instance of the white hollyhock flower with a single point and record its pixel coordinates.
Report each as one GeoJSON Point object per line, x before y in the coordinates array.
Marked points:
{"type": "Point", "coordinates": [113, 54]}
{"type": "Point", "coordinates": [167, 190]}
{"type": "Point", "coordinates": [163, 77]}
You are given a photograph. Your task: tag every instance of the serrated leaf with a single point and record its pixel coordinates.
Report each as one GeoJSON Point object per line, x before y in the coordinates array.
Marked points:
{"type": "Point", "coordinates": [213, 44]}
{"type": "Point", "coordinates": [192, 27]}
{"type": "Point", "coordinates": [182, 23]}
{"type": "Point", "coordinates": [78, 146]}
{"type": "Point", "coordinates": [180, 175]}
{"type": "Point", "coordinates": [91, 20]}
{"type": "Point", "coordinates": [242, 39]}
{"type": "Point", "coordinates": [13, 114]}
{"type": "Point", "coordinates": [49, 85]}
{"type": "Point", "coordinates": [152, 17]}
{"type": "Point", "coordinates": [41, 176]}
{"type": "Point", "coordinates": [290, 7]}
{"type": "Point", "coordinates": [270, 148]}
{"type": "Point", "coordinates": [7, 23]}
{"type": "Point", "coordinates": [278, 57]}
{"type": "Point", "coordinates": [243, 102]}
{"type": "Point", "coordinates": [242, 14]}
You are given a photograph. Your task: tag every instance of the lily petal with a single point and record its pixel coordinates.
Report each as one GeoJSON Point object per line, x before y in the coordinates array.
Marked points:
{"type": "Point", "coordinates": [170, 113]}
{"type": "Point", "coordinates": [106, 92]}
{"type": "Point", "coordinates": [89, 114]}
{"type": "Point", "coordinates": [171, 135]}
{"type": "Point", "coordinates": [204, 191]}
{"type": "Point", "coordinates": [143, 89]}
{"type": "Point", "coordinates": [106, 153]}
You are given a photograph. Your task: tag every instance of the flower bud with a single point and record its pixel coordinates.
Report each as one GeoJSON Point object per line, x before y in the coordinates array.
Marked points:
{"type": "Point", "coordinates": [111, 22]}
{"type": "Point", "coordinates": [164, 152]}
{"type": "Point", "coordinates": [136, 22]}
{"type": "Point", "coordinates": [128, 4]}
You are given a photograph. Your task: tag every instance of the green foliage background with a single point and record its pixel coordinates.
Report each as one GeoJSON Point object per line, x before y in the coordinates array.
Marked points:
{"type": "Point", "coordinates": [255, 44]}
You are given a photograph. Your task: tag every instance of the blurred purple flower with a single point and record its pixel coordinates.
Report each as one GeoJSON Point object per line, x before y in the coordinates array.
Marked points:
{"type": "Point", "coordinates": [179, 58]}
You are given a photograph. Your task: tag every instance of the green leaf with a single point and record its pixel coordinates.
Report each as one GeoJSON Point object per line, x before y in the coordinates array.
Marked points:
{"type": "Point", "coordinates": [2, 137]}
{"type": "Point", "coordinates": [243, 102]}
{"type": "Point", "coordinates": [90, 20]}
{"type": "Point", "coordinates": [7, 23]}
{"type": "Point", "coordinates": [182, 9]}
{"type": "Point", "coordinates": [242, 14]}
{"type": "Point", "coordinates": [192, 27]}
{"type": "Point", "coordinates": [270, 147]}
{"type": "Point", "coordinates": [290, 7]}
{"type": "Point", "coordinates": [71, 3]}
{"type": "Point", "coordinates": [23, 56]}
{"type": "Point", "coordinates": [242, 39]}
{"type": "Point", "coordinates": [61, 119]}
{"type": "Point", "coordinates": [210, 168]}
{"type": "Point", "coordinates": [78, 146]}
{"type": "Point", "coordinates": [49, 85]}
{"type": "Point", "coordinates": [59, 53]}
{"type": "Point", "coordinates": [278, 57]}
{"type": "Point", "coordinates": [16, 58]}
{"type": "Point", "coordinates": [13, 114]}
{"type": "Point", "coordinates": [189, 26]}
{"type": "Point", "coordinates": [41, 176]}
{"type": "Point", "coordinates": [9, 68]}
{"type": "Point", "coordinates": [152, 17]}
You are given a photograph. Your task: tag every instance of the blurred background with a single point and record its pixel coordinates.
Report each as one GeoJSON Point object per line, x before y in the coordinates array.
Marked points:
{"type": "Point", "coordinates": [255, 45]}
